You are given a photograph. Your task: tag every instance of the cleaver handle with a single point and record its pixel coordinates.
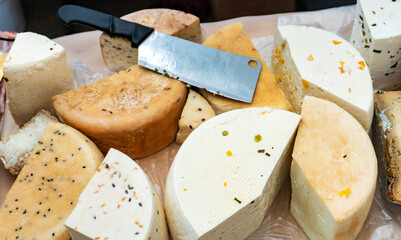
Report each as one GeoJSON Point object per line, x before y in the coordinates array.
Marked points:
{"type": "Point", "coordinates": [114, 26]}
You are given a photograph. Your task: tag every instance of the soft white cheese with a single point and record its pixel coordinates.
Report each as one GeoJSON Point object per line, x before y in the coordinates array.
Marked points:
{"type": "Point", "coordinates": [377, 36]}
{"type": "Point", "coordinates": [314, 62]}
{"type": "Point", "coordinates": [119, 202]}
{"type": "Point", "coordinates": [227, 173]}
{"type": "Point", "coordinates": [35, 69]}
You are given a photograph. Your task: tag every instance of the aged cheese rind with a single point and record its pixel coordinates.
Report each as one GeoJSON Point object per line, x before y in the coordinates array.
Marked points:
{"type": "Point", "coordinates": [227, 173]}
{"type": "Point", "coordinates": [196, 111]}
{"type": "Point", "coordinates": [135, 111]}
{"type": "Point", "coordinates": [312, 62]}
{"type": "Point", "coordinates": [35, 69]}
{"type": "Point", "coordinates": [119, 202]}
{"type": "Point", "coordinates": [333, 172]}
{"type": "Point", "coordinates": [387, 131]}
{"type": "Point", "coordinates": [48, 187]}
{"type": "Point", "coordinates": [16, 148]}
{"type": "Point", "coordinates": [232, 38]}
{"type": "Point", "coordinates": [377, 36]}
{"type": "Point", "coordinates": [118, 53]}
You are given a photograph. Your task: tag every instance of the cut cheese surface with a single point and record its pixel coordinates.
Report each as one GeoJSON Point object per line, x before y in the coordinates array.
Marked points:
{"type": "Point", "coordinates": [377, 36]}
{"type": "Point", "coordinates": [312, 62]}
{"type": "Point", "coordinates": [333, 173]}
{"type": "Point", "coordinates": [232, 38]}
{"type": "Point", "coordinates": [135, 111]}
{"type": "Point", "coordinates": [48, 187]}
{"type": "Point", "coordinates": [35, 69]}
{"type": "Point", "coordinates": [119, 202]}
{"type": "Point", "coordinates": [227, 173]}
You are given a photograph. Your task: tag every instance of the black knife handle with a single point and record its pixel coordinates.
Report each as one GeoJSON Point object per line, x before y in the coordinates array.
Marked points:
{"type": "Point", "coordinates": [114, 26]}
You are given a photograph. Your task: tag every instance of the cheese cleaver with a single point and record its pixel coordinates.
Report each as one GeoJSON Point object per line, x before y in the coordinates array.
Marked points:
{"type": "Point", "coordinates": [226, 74]}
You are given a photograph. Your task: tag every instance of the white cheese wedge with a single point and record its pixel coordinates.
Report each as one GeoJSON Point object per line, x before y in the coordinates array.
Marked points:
{"type": "Point", "coordinates": [119, 202]}
{"type": "Point", "coordinates": [35, 69]}
{"type": "Point", "coordinates": [228, 172]}
{"type": "Point", "coordinates": [314, 62]}
{"type": "Point", "coordinates": [333, 172]}
{"type": "Point", "coordinates": [377, 36]}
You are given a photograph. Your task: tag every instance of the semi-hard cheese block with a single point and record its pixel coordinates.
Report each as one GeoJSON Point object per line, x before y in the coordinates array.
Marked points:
{"type": "Point", "coordinates": [135, 111]}
{"type": "Point", "coordinates": [16, 148]}
{"type": "Point", "coordinates": [48, 187]}
{"type": "Point", "coordinates": [35, 69]}
{"type": "Point", "coordinates": [377, 36]}
{"type": "Point", "coordinates": [314, 62]}
{"type": "Point", "coordinates": [387, 142]}
{"type": "Point", "coordinates": [119, 202]}
{"type": "Point", "coordinates": [232, 38]}
{"type": "Point", "coordinates": [118, 54]}
{"type": "Point", "coordinates": [227, 173]}
{"type": "Point", "coordinates": [333, 172]}
{"type": "Point", "coordinates": [196, 111]}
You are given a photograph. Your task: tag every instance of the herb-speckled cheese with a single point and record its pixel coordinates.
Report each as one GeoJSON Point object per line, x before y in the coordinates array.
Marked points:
{"type": "Point", "coordinates": [377, 36]}
{"type": "Point", "coordinates": [314, 62]}
{"type": "Point", "coordinates": [48, 186]}
{"type": "Point", "coordinates": [228, 172]}
{"type": "Point", "coordinates": [119, 202]}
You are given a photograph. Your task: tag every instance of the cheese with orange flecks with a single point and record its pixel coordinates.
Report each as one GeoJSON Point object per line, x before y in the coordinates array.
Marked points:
{"type": "Point", "coordinates": [333, 172]}
{"type": "Point", "coordinates": [323, 65]}
{"type": "Point", "coordinates": [232, 38]}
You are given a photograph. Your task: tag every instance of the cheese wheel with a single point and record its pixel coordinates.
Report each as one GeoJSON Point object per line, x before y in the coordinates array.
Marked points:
{"type": "Point", "coordinates": [118, 54]}
{"type": "Point", "coordinates": [333, 172]}
{"type": "Point", "coordinates": [135, 111]}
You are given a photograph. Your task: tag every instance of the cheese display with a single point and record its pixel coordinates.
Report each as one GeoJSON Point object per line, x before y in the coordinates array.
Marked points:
{"type": "Point", "coordinates": [227, 173]}
{"type": "Point", "coordinates": [377, 36]}
{"type": "Point", "coordinates": [313, 62]}
{"type": "Point", "coordinates": [135, 111]}
{"type": "Point", "coordinates": [232, 38]}
{"type": "Point", "coordinates": [16, 148]}
{"type": "Point", "coordinates": [119, 202]}
{"type": "Point", "coordinates": [386, 132]}
{"type": "Point", "coordinates": [118, 54]}
{"type": "Point", "coordinates": [48, 187]}
{"type": "Point", "coordinates": [333, 172]}
{"type": "Point", "coordinates": [196, 111]}
{"type": "Point", "coordinates": [35, 69]}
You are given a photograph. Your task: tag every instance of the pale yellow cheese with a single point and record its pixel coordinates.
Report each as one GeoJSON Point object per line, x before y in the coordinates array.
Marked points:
{"type": "Point", "coordinates": [2, 58]}
{"type": "Point", "coordinates": [48, 187]}
{"type": "Point", "coordinates": [232, 38]}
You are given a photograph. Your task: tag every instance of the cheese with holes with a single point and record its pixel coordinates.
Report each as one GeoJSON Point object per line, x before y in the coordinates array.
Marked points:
{"type": "Point", "coordinates": [119, 202]}
{"type": "Point", "coordinates": [16, 148]}
{"type": "Point", "coordinates": [314, 62]}
{"type": "Point", "coordinates": [387, 137]}
{"type": "Point", "coordinates": [135, 111]}
{"type": "Point", "coordinates": [377, 36]}
{"type": "Point", "coordinates": [119, 55]}
{"type": "Point", "coordinates": [48, 187]}
{"type": "Point", "coordinates": [35, 69]}
{"type": "Point", "coordinates": [232, 38]}
{"type": "Point", "coordinates": [333, 172]}
{"type": "Point", "coordinates": [196, 111]}
{"type": "Point", "coordinates": [227, 173]}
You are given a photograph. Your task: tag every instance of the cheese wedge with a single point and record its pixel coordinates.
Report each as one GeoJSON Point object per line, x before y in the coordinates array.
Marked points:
{"type": "Point", "coordinates": [333, 172]}
{"type": "Point", "coordinates": [377, 36]}
{"type": "Point", "coordinates": [35, 69]}
{"type": "Point", "coordinates": [227, 173]}
{"type": "Point", "coordinates": [119, 202]}
{"type": "Point", "coordinates": [387, 137]}
{"type": "Point", "coordinates": [314, 62]}
{"type": "Point", "coordinates": [48, 187]}
{"type": "Point", "coordinates": [118, 54]}
{"type": "Point", "coordinates": [232, 38]}
{"type": "Point", "coordinates": [135, 111]}
{"type": "Point", "coordinates": [196, 111]}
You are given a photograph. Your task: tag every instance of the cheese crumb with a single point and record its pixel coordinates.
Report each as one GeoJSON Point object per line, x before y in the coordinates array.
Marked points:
{"type": "Point", "coordinates": [310, 58]}
{"type": "Point", "coordinates": [345, 192]}
{"type": "Point", "coordinates": [305, 83]}
{"type": "Point", "coordinates": [336, 42]}
{"type": "Point", "coordinates": [229, 153]}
